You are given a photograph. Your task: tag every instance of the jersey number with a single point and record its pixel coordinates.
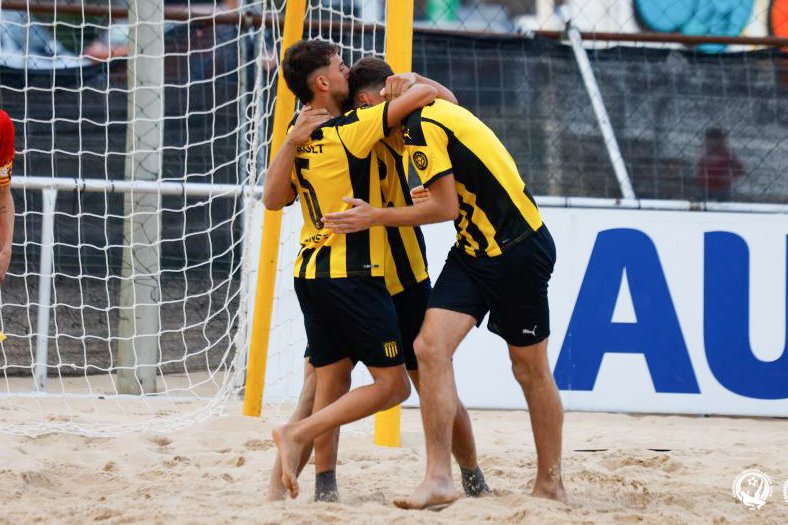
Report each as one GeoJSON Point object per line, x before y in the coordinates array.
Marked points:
{"type": "Point", "coordinates": [308, 194]}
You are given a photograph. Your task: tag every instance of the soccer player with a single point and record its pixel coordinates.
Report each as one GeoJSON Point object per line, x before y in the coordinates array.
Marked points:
{"type": "Point", "coordinates": [348, 314]}
{"type": "Point", "coordinates": [406, 278]}
{"type": "Point", "coordinates": [6, 199]}
{"type": "Point", "coordinates": [501, 263]}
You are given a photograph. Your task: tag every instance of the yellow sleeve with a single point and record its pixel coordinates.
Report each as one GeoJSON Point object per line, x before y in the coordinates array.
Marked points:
{"type": "Point", "coordinates": [5, 175]}
{"type": "Point", "coordinates": [361, 128]}
{"type": "Point", "coordinates": [431, 157]}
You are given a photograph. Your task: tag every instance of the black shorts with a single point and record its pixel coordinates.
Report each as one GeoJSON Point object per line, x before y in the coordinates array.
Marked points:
{"type": "Point", "coordinates": [511, 286]}
{"type": "Point", "coordinates": [351, 318]}
{"type": "Point", "coordinates": [411, 304]}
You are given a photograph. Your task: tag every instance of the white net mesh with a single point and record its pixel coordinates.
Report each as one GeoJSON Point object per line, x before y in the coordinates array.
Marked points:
{"type": "Point", "coordinates": [141, 129]}
{"type": "Point", "coordinates": [125, 303]}
{"type": "Point", "coordinates": [128, 299]}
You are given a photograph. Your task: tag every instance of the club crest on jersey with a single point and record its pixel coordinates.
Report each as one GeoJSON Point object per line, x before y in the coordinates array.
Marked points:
{"type": "Point", "coordinates": [420, 160]}
{"type": "Point", "coordinates": [390, 349]}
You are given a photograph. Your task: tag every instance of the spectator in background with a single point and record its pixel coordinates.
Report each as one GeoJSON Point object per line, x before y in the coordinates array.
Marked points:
{"type": "Point", "coordinates": [113, 41]}
{"type": "Point", "coordinates": [717, 167]}
{"type": "Point", "coordinates": [6, 199]}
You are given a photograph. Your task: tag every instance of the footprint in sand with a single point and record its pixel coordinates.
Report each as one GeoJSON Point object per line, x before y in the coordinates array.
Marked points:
{"type": "Point", "coordinates": [259, 444]}
{"type": "Point", "coordinates": [160, 441]}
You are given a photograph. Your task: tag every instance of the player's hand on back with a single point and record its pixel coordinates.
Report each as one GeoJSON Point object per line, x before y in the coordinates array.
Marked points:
{"type": "Point", "coordinates": [308, 120]}
{"type": "Point", "coordinates": [419, 194]}
{"type": "Point", "coordinates": [360, 217]}
{"type": "Point", "coordinates": [396, 85]}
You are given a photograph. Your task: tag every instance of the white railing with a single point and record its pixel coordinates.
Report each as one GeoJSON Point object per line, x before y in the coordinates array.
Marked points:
{"type": "Point", "coordinates": [49, 187]}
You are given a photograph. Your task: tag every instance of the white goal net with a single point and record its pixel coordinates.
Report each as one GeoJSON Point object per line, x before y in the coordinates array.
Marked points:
{"type": "Point", "coordinates": [142, 137]}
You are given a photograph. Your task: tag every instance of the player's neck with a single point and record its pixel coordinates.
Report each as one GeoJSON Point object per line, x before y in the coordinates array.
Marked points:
{"type": "Point", "coordinates": [327, 102]}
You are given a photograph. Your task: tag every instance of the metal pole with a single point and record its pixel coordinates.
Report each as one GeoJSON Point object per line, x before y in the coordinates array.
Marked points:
{"type": "Point", "coordinates": [598, 104]}
{"type": "Point", "coordinates": [139, 323]}
{"type": "Point", "coordinates": [250, 91]}
{"type": "Point", "coordinates": [46, 270]}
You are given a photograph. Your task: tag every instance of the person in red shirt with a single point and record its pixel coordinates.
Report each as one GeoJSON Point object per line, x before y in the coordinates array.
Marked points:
{"type": "Point", "coordinates": [6, 199]}
{"type": "Point", "coordinates": [717, 167]}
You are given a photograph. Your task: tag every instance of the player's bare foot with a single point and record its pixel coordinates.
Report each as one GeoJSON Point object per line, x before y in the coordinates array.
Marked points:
{"type": "Point", "coordinates": [290, 452]}
{"type": "Point", "coordinates": [557, 494]}
{"type": "Point", "coordinates": [552, 488]}
{"type": "Point", "coordinates": [431, 494]}
{"type": "Point", "coordinates": [276, 492]}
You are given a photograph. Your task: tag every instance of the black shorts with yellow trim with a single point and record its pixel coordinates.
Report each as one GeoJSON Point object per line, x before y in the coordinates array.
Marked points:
{"type": "Point", "coordinates": [411, 305]}
{"type": "Point", "coordinates": [353, 318]}
{"type": "Point", "coordinates": [511, 286]}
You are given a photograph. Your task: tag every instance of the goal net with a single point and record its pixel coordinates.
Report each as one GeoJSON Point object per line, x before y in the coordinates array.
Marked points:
{"type": "Point", "coordinates": [142, 137]}
{"type": "Point", "coordinates": [143, 132]}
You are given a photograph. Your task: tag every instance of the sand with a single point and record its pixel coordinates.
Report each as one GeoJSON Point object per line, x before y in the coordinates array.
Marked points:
{"type": "Point", "coordinates": [618, 469]}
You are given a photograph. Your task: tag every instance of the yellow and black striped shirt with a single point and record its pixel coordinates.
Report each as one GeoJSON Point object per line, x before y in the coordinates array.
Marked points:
{"type": "Point", "coordinates": [337, 162]}
{"type": "Point", "coordinates": [406, 256]}
{"type": "Point", "coordinates": [496, 210]}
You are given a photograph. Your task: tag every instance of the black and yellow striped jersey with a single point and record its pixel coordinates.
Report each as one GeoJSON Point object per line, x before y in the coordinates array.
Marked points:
{"type": "Point", "coordinates": [336, 162]}
{"type": "Point", "coordinates": [496, 210]}
{"type": "Point", "coordinates": [406, 256]}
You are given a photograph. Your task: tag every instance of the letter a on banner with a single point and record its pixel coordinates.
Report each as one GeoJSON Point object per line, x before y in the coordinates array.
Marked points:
{"type": "Point", "coordinates": [592, 331]}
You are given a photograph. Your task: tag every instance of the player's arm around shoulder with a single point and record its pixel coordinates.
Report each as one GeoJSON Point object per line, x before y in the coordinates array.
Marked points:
{"type": "Point", "coordinates": [416, 96]}
{"type": "Point", "coordinates": [441, 205]}
{"type": "Point", "coordinates": [277, 189]}
{"type": "Point", "coordinates": [397, 84]}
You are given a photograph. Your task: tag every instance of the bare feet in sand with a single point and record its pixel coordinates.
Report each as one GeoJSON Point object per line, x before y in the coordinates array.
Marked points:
{"type": "Point", "coordinates": [290, 452]}
{"type": "Point", "coordinates": [277, 493]}
{"type": "Point", "coordinates": [431, 494]}
{"type": "Point", "coordinates": [551, 489]}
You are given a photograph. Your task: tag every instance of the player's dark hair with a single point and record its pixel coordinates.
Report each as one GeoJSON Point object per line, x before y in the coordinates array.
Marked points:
{"type": "Point", "coordinates": [369, 72]}
{"type": "Point", "coordinates": [301, 60]}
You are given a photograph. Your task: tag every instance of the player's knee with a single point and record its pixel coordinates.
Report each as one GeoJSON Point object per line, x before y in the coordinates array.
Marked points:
{"type": "Point", "coordinates": [343, 384]}
{"type": "Point", "coordinates": [427, 350]}
{"type": "Point", "coordinates": [527, 371]}
{"type": "Point", "coordinates": [396, 388]}
{"type": "Point", "coordinates": [521, 372]}
{"type": "Point", "coordinates": [462, 412]}
{"type": "Point", "coordinates": [401, 390]}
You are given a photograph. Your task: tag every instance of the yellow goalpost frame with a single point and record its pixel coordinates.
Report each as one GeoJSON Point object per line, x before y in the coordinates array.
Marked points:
{"type": "Point", "coordinates": [399, 48]}
{"type": "Point", "coordinates": [399, 55]}
{"type": "Point", "coordinates": [272, 226]}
